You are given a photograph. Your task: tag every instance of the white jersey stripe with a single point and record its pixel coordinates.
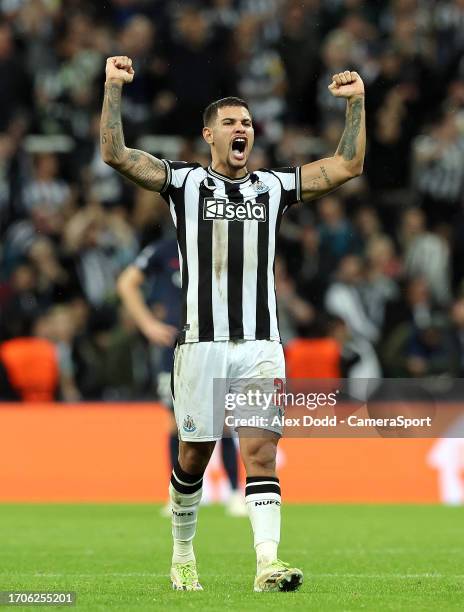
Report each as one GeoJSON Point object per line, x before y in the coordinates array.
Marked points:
{"type": "Point", "coordinates": [191, 222]}
{"type": "Point", "coordinates": [172, 210]}
{"type": "Point", "coordinates": [250, 271]}
{"type": "Point", "coordinates": [220, 280]}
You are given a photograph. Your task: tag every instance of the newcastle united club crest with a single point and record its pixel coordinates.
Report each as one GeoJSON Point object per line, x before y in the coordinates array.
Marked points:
{"type": "Point", "coordinates": [188, 424]}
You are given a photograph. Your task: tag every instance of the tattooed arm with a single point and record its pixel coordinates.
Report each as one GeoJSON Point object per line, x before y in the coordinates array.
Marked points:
{"type": "Point", "coordinates": [320, 177]}
{"type": "Point", "coordinates": [142, 168]}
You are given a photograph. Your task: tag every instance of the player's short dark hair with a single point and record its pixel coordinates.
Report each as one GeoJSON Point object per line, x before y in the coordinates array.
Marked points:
{"type": "Point", "coordinates": [211, 111]}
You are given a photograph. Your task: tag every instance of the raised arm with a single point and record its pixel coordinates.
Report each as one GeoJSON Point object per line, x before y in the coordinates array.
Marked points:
{"type": "Point", "coordinates": [142, 168]}
{"type": "Point", "coordinates": [324, 175]}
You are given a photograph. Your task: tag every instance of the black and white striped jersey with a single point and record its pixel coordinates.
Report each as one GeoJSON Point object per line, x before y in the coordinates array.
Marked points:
{"type": "Point", "coordinates": [226, 232]}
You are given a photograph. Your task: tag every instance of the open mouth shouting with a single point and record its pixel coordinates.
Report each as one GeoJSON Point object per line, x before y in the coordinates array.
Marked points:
{"type": "Point", "coordinates": [239, 145]}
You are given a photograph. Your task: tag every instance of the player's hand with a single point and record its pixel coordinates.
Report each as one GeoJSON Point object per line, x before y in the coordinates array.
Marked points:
{"type": "Point", "coordinates": [120, 69]}
{"type": "Point", "coordinates": [160, 333]}
{"type": "Point", "coordinates": [346, 85]}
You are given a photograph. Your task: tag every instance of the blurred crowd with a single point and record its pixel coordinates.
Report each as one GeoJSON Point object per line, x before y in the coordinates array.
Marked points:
{"type": "Point", "coordinates": [378, 265]}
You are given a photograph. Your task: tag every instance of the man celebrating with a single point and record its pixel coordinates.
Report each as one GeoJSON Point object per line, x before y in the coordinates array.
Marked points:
{"type": "Point", "coordinates": [227, 221]}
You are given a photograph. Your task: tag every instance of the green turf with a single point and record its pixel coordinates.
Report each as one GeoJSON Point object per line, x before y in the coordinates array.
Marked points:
{"type": "Point", "coordinates": [116, 557]}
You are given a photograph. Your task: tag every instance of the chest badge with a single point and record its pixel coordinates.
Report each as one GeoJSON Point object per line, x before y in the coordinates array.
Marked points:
{"type": "Point", "coordinates": [260, 187]}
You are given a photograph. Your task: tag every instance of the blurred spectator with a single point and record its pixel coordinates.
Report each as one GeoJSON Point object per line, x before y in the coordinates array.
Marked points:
{"type": "Point", "coordinates": [197, 65]}
{"type": "Point", "coordinates": [19, 301]}
{"type": "Point", "coordinates": [429, 351]}
{"type": "Point", "coordinates": [337, 53]}
{"type": "Point", "coordinates": [414, 305]}
{"type": "Point", "coordinates": [425, 254]}
{"type": "Point", "coordinates": [379, 287]}
{"type": "Point", "coordinates": [367, 225]}
{"type": "Point", "coordinates": [311, 277]}
{"type": "Point", "coordinates": [337, 236]}
{"type": "Point", "coordinates": [62, 331]}
{"type": "Point", "coordinates": [392, 129]}
{"type": "Point", "coordinates": [414, 310]}
{"type": "Point", "coordinates": [46, 187]}
{"type": "Point", "coordinates": [31, 362]}
{"type": "Point", "coordinates": [129, 372]}
{"type": "Point", "coordinates": [358, 358]}
{"type": "Point", "coordinates": [298, 48]}
{"type": "Point", "coordinates": [89, 353]}
{"type": "Point", "coordinates": [14, 79]}
{"type": "Point", "coordinates": [261, 78]}
{"type": "Point", "coordinates": [100, 244]}
{"type": "Point", "coordinates": [223, 16]}
{"type": "Point", "coordinates": [457, 333]}
{"type": "Point", "coordinates": [64, 89]}
{"type": "Point", "coordinates": [54, 282]}
{"type": "Point", "coordinates": [438, 158]}
{"type": "Point", "coordinates": [295, 314]}
{"type": "Point", "coordinates": [139, 40]}
{"type": "Point", "coordinates": [344, 299]}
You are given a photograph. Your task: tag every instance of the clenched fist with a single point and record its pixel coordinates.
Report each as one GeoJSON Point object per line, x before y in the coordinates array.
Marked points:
{"type": "Point", "coordinates": [120, 69]}
{"type": "Point", "coordinates": [346, 85]}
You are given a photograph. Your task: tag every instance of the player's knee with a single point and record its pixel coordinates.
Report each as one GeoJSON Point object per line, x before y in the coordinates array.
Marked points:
{"type": "Point", "coordinates": [194, 456]}
{"type": "Point", "coordinates": [260, 458]}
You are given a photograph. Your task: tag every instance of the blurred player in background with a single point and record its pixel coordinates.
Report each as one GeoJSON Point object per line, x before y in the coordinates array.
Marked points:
{"type": "Point", "coordinates": [227, 222]}
{"type": "Point", "coordinates": [157, 318]}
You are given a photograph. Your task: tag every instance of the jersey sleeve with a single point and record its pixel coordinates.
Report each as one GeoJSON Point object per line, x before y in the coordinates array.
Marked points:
{"type": "Point", "coordinates": [148, 260]}
{"type": "Point", "coordinates": [290, 180]}
{"type": "Point", "coordinates": [176, 173]}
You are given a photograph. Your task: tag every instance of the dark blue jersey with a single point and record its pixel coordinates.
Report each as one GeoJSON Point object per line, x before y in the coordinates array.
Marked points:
{"type": "Point", "coordinates": [159, 263]}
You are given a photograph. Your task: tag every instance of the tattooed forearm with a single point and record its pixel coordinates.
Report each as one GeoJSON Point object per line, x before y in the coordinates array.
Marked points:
{"type": "Point", "coordinates": [328, 182]}
{"type": "Point", "coordinates": [112, 137]}
{"type": "Point", "coordinates": [145, 170]}
{"type": "Point", "coordinates": [348, 144]}
{"type": "Point", "coordinates": [325, 175]}
{"type": "Point", "coordinates": [138, 166]}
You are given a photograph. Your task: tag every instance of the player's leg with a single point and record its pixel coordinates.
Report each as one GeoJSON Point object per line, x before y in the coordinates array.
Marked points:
{"type": "Point", "coordinates": [263, 500]}
{"type": "Point", "coordinates": [185, 492]}
{"type": "Point", "coordinates": [195, 366]}
{"type": "Point", "coordinates": [258, 448]}
{"type": "Point", "coordinates": [262, 492]}
{"type": "Point", "coordinates": [236, 503]}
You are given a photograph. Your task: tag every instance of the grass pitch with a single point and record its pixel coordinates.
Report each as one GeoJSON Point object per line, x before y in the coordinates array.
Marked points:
{"type": "Point", "coordinates": [116, 557]}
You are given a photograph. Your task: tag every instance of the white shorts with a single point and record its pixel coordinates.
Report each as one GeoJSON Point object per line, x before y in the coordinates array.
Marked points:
{"type": "Point", "coordinates": [199, 416]}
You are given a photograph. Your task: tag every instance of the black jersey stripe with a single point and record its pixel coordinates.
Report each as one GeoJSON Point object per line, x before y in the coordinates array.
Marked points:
{"type": "Point", "coordinates": [205, 266]}
{"type": "Point", "coordinates": [263, 322]}
{"type": "Point", "coordinates": [235, 266]}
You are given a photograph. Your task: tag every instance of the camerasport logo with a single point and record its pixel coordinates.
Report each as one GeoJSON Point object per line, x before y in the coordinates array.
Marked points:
{"type": "Point", "coordinates": [221, 208]}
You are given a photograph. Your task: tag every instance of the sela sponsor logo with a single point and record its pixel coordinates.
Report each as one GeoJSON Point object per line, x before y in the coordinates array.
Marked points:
{"type": "Point", "coordinates": [220, 208]}
{"type": "Point", "coordinates": [267, 502]}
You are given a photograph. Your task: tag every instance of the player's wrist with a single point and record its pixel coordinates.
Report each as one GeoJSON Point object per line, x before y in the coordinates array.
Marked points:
{"type": "Point", "coordinates": [357, 96]}
{"type": "Point", "coordinates": [114, 81]}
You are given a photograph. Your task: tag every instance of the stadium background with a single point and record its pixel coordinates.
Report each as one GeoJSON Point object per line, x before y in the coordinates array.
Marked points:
{"type": "Point", "coordinates": [375, 270]}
